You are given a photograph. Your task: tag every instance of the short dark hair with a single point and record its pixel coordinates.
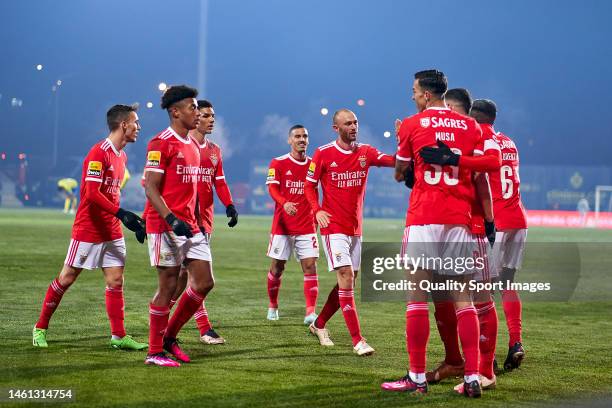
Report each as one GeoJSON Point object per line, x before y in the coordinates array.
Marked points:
{"type": "Point", "coordinates": [484, 111]}
{"type": "Point", "coordinates": [203, 103]}
{"type": "Point", "coordinates": [177, 93]}
{"type": "Point", "coordinates": [118, 114]}
{"type": "Point", "coordinates": [298, 126]}
{"type": "Point", "coordinates": [433, 81]}
{"type": "Point", "coordinates": [462, 96]}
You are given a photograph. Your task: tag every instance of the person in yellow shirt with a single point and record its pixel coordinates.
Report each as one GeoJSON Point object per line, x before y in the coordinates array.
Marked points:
{"type": "Point", "coordinates": [67, 187]}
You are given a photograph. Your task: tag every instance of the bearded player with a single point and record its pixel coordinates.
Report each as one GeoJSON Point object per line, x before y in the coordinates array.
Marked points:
{"type": "Point", "coordinates": [437, 224]}
{"type": "Point", "coordinates": [341, 167]}
{"type": "Point", "coordinates": [174, 236]}
{"type": "Point", "coordinates": [97, 238]}
{"type": "Point", "coordinates": [211, 176]}
{"type": "Point", "coordinates": [293, 227]}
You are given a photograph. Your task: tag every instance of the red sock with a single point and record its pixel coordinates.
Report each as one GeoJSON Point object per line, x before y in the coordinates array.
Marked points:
{"type": "Point", "coordinates": [158, 322]}
{"type": "Point", "coordinates": [311, 292]}
{"type": "Point", "coordinates": [446, 320]}
{"type": "Point", "coordinates": [329, 308]}
{"type": "Point", "coordinates": [115, 309]}
{"type": "Point", "coordinates": [417, 335]}
{"type": "Point", "coordinates": [487, 319]}
{"type": "Point", "coordinates": [172, 303]}
{"type": "Point", "coordinates": [513, 310]}
{"type": "Point", "coordinates": [52, 299]}
{"type": "Point", "coordinates": [273, 288]}
{"type": "Point", "coordinates": [187, 305]}
{"type": "Point", "coordinates": [201, 318]}
{"type": "Point", "coordinates": [469, 334]}
{"type": "Point", "coordinates": [346, 299]}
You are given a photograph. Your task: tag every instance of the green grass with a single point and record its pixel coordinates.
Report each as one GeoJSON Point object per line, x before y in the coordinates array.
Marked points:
{"type": "Point", "coordinates": [268, 363]}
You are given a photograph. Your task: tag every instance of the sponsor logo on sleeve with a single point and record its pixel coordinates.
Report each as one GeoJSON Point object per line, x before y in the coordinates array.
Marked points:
{"type": "Point", "coordinates": [94, 169]}
{"type": "Point", "coordinates": [271, 174]}
{"type": "Point", "coordinates": [311, 169]}
{"type": "Point", "coordinates": [153, 158]}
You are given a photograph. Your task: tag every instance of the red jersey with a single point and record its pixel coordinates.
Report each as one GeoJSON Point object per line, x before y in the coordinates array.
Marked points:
{"type": "Point", "coordinates": [441, 194]}
{"type": "Point", "coordinates": [489, 147]}
{"type": "Point", "coordinates": [343, 175]}
{"type": "Point", "coordinates": [290, 174]}
{"type": "Point", "coordinates": [179, 161]}
{"type": "Point", "coordinates": [103, 170]}
{"type": "Point", "coordinates": [211, 174]}
{"type": "Point", "coordinates": [505, 183]}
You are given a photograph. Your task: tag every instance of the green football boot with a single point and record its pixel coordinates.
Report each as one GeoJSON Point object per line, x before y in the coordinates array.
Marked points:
{"type": "Point", "coordinates": [39, 337]}
{"type": "Point", "coordinates": [127, 343]}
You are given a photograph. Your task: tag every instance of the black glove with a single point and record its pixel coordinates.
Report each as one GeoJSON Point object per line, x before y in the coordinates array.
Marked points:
{"type": "Point", "coordinates": [179, 227]}
{"type": "Point", "coordinates": [441, 155]}
{"type": "Point", "coordinates": [231, 212]}
{"type": "Point", "coordinates": [409, 177]}
{"type": "Point", "coordinates": [130, 220]}
{"type": "Point", "coordinates": [141, 235]}
{"type": "Point", "coordinates": [490, 232]}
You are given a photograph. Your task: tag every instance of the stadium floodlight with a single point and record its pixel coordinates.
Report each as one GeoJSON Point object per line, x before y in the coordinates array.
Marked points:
{"type": "Point", "coordinates": [387, 134]}
{"type": "Point", "coordinates": [361, 102]}
{"type": "Point", "coordinates": [149, 105]}
{"type": "Point", "coordinates": [324, 111]}
{"type": "Point", "coordinates": [162, 86]}
{"type": "Point", "coordinates": [39, 67]}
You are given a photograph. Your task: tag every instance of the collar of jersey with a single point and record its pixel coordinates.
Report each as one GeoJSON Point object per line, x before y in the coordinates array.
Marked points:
{"type": "Point", "coordinates": [437, 108]}
{"type": "Point", "coordinates": [112, 146]}
{"type": "Point", "coordinates": [300, 163]}
{"type": "Point", "coordinates": [203, 145]}
{"type": "Point", "coordinates": [341, 150]}
{"type": "Point", "coordinates": [185, 141]}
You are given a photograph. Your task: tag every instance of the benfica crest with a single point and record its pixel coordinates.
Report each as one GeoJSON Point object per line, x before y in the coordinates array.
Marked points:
{"type": "Point", "coordinates": [362, 161]}
{"type": "Point", "coordinates": [425, 122]}
{"type": "Point", "coordinates": [214, 159]}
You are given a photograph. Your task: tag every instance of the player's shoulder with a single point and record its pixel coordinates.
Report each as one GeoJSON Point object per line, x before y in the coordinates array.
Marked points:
{"type": "Point", "coordinates": [504, 141]}
{"type": "Point", "coordinates": [99, 149]}
{"type": "Point", "coordinates": [281, 158]}
{"type": "Point", "coordinates": [213, 146]}
{"type": "Point", "coordinates": [163, 138]}
{"type": "Point", "coordinates": [325, 149]}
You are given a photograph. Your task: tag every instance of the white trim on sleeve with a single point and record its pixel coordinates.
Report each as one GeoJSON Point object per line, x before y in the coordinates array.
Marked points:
{"type": "Point", "coordinates": [273, 182]}
{"type": "Point", "coordinates": [154, 170]}
{"type": "Point", "coordinates": [97, 180]}
{"type": "Point", "coordinates": [406, 159]}
{"type": "Point", "coordinates": [311, 180]}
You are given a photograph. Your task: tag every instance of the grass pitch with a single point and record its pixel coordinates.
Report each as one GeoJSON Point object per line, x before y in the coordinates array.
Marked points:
{"type": "Point", "coordinates": [270, 363]}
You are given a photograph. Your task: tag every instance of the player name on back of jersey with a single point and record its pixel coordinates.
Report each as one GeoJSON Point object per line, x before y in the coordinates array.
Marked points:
{"type": "Point", "coordinates": [509, 156]}
{"type": "Point", "coordinates": [349, 178]}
